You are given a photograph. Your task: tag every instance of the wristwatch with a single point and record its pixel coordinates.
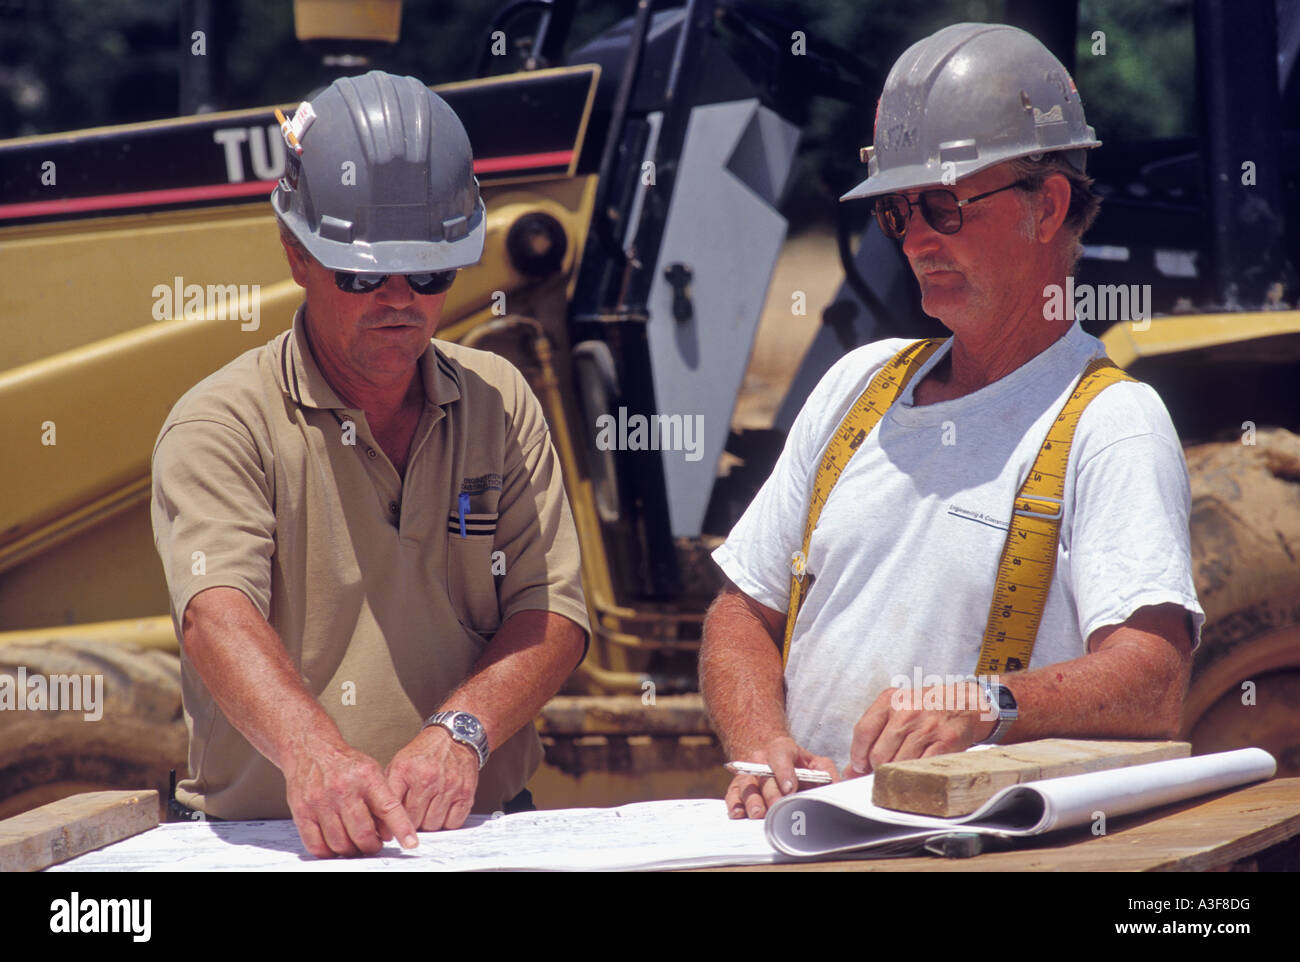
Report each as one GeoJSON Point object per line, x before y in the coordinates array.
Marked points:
{"type": "Point", "coordinates": [464, 728]}
{"type": "Point", "coordinates": [999, 697]}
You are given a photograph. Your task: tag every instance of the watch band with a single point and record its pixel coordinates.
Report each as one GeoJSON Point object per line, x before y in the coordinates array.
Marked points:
{"type": "Point", "coordinates": [464, 728]}
{"type": "Point", "coordinates": [1000, 698]}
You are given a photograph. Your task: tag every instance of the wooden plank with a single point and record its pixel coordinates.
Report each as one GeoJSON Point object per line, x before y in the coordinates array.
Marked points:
{"type": "Point", "coordinates": [73, 826]}
{"type": "Point", "coordinates": [957, 784]}
{"type": "Point", "coordinates": [1199, 835]}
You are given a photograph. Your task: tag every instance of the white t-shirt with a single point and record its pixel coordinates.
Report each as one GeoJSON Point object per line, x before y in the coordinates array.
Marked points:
{"type": "Point", "coordinates": [906, 550]}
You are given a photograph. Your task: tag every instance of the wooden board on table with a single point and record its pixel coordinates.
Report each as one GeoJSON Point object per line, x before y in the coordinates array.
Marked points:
{"type": "Point", "coordinates": [73, 826]}
{"type": "Point", "coordinates": [957, 784]}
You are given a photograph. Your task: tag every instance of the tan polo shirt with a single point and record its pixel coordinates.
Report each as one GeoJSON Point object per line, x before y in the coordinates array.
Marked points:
{"type": "Point", "coordinates": [265, 481]}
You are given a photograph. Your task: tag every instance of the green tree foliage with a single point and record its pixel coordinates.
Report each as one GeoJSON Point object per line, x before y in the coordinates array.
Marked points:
{"type": "Point", "coordinates": [1144, 84]}
{"type": "Point", "coordinates": [80, 63]}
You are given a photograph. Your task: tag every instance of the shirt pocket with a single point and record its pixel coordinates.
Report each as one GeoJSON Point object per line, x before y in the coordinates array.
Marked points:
{"type": "Point", "coordinates": [471, 569]}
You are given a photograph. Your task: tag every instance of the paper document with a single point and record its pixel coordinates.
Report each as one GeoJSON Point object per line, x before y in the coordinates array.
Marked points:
{"type": "Point", "coordinates": [688, 833]}
{"type": "Point", "coordinates": [841, 818]}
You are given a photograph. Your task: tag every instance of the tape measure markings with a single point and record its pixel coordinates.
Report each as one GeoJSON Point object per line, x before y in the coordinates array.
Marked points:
{"type": "Point", "coordinates": [866, 412]}
{"type": "Point", "coordinates": [1016, 609]}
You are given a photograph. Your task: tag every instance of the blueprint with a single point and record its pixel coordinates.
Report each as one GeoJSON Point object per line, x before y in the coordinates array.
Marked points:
{"type": "Point", "coordinates": [688, 833]}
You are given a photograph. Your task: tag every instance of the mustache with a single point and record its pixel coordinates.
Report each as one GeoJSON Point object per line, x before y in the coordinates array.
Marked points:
{"type": "Point", "coordinates": [384, 317]}
{"type": "Point", "coordinates": [925, 265]}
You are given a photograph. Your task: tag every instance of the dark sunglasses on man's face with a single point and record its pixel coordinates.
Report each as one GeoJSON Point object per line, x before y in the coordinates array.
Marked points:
{"type": "Point", "coordinates": [940, 208]}
{"type": "Point", "coordinates": [428, 282]}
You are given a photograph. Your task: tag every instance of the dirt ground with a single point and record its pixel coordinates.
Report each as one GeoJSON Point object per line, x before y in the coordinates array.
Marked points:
{"type": "Point", "coordinates": [809, 263]}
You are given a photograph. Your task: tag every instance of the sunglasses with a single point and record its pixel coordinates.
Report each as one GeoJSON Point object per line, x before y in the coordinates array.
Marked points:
{"type": "Point", "coordinates": [428, 282]}
{"type": "Point", "coordinates": [940, 208]}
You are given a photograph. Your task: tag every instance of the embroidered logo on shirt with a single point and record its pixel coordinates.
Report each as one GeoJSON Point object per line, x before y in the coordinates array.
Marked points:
{"type": "Point", "coordinates": [484, 482]}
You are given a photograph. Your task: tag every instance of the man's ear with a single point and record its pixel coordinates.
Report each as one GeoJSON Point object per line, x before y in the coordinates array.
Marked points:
{"type": "Point", "coordinates": [297, 260]}
{"type": "Point", "coordinates": [1054, 205]}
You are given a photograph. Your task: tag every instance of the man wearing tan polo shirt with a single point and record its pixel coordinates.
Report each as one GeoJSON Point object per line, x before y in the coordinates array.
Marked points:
{"type": "Point", "coordinates": [365, 532]}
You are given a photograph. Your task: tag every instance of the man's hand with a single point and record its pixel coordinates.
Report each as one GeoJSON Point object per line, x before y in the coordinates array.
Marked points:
{"type": "Point", "coordinates": [899, 726]}
{"type": "Point", "coordinates": [750, 795]}
{"type": "Point", "coordinates": [435, 777]}
{"type": "Point", "coordinates": [342, 804]}
{"type": "Point", "coordinates": [337, 795]}
{"type": "Point", "coordinates": [741, 678]}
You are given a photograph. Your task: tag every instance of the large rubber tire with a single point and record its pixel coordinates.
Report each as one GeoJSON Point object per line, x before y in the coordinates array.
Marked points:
{"type": "Point", "coordinates": [46, 755]}
{"type": "Point", "coordinates": [1245, 525]}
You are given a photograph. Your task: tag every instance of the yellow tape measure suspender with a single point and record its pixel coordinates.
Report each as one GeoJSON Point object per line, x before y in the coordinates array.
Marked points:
{"type": "Point", "coordinates": [1029, 553]}
{"type": "Point", "coordinates": [866, 412]}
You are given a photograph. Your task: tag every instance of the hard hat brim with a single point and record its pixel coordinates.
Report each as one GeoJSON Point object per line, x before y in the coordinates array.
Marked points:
{"type": "Point", "coordinates": [924, 177]}
{"type": "Point", "coordinates": [399, 257]}
{"type": "Point", "coordinates": [896, 181]}
{"type": "Point", "coordinates": [393, 256]}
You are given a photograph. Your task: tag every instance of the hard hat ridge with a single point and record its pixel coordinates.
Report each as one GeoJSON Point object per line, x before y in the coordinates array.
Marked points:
{"type": "Point", "coordinates": [391, 120]}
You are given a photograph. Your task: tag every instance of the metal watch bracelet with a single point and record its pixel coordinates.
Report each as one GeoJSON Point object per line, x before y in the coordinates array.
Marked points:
{"type": "Point", "coordinates": [1006, 716]}
{"type": "Point", "coordinates": [464, 728]}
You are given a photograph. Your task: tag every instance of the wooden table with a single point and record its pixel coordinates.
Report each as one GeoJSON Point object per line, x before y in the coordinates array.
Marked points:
{"type": "Point", "coordinates": [1226, 831]}
{"type": "Point", "coordinates": [1253, 827]}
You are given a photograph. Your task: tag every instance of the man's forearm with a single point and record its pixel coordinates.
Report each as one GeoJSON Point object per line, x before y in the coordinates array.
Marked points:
{"type": "Point", "coordinates": [1117, 693]}
{"type": "Point", "coordinates": [256, 685]}
{"type": "Point", "coordinates": [522, 667]}
{"type": "Point", "coordinates": [1131, 685]}
{"type": "Point", "coordinates": [741, 676]}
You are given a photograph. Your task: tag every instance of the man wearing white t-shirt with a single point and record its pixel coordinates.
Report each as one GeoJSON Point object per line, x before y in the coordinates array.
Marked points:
{"type": "Point", "coordinates": [902, 562]}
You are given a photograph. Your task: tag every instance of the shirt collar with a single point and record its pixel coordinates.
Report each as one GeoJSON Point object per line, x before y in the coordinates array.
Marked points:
{"type": "Point", "coordinates": [1074, 341]}
{"type": "Point", "coordinates": [301, 379]}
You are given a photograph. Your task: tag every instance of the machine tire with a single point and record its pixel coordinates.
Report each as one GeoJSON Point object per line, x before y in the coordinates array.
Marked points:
{"type": "Point", "coordinates": [48, 754]}
{"type": "Point", "coordinates": [1245, 526]}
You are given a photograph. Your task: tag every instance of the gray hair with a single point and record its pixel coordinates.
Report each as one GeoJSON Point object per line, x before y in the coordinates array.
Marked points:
{"type": "Point", "coordinates": [289, 239]}
{"type": "Point", "coordinates": [1084, 201]}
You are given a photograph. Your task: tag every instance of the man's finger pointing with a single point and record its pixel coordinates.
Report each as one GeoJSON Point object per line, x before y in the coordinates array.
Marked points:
{"type": "Point", "coordinates": [389, 811]}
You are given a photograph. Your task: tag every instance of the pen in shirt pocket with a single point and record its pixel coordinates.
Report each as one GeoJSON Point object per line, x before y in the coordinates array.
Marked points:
{"type": "Point", "coordinates": [462, 509]}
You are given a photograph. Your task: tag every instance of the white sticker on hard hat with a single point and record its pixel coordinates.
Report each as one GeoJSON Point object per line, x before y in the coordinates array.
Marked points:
{"type": "Point", "coordinates": [295, 128]}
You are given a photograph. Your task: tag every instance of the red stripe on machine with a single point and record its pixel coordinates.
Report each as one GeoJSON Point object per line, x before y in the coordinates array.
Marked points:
{"type": "Point", "coordinates": [555, 158]}
{"type": "Point", "coordinates": [143, 198]}
{"type": "Point", "coordinates": [181, 195]}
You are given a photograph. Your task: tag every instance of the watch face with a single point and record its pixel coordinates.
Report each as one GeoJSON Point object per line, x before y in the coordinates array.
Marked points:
{"type": "Point", "coordinates": [1006, 700]}
{"type": "Point", "coordinates": [466, 725]}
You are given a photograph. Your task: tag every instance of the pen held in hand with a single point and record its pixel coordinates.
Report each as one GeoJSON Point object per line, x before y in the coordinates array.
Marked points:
{"type": "Point", "coordinates": [807, 775]}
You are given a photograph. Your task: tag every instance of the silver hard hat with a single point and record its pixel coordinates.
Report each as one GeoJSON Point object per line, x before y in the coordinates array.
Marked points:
{"type": "Point", "coordinates": [379, 178]}
{"type": "Point", "coordinates": [966, 98]}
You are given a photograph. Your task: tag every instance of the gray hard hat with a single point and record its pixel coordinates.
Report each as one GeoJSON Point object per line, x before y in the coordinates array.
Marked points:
{"type": "Point", "coordinates": [381, 179]}
{"type": "Point", "coordinates": [966, 98]}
